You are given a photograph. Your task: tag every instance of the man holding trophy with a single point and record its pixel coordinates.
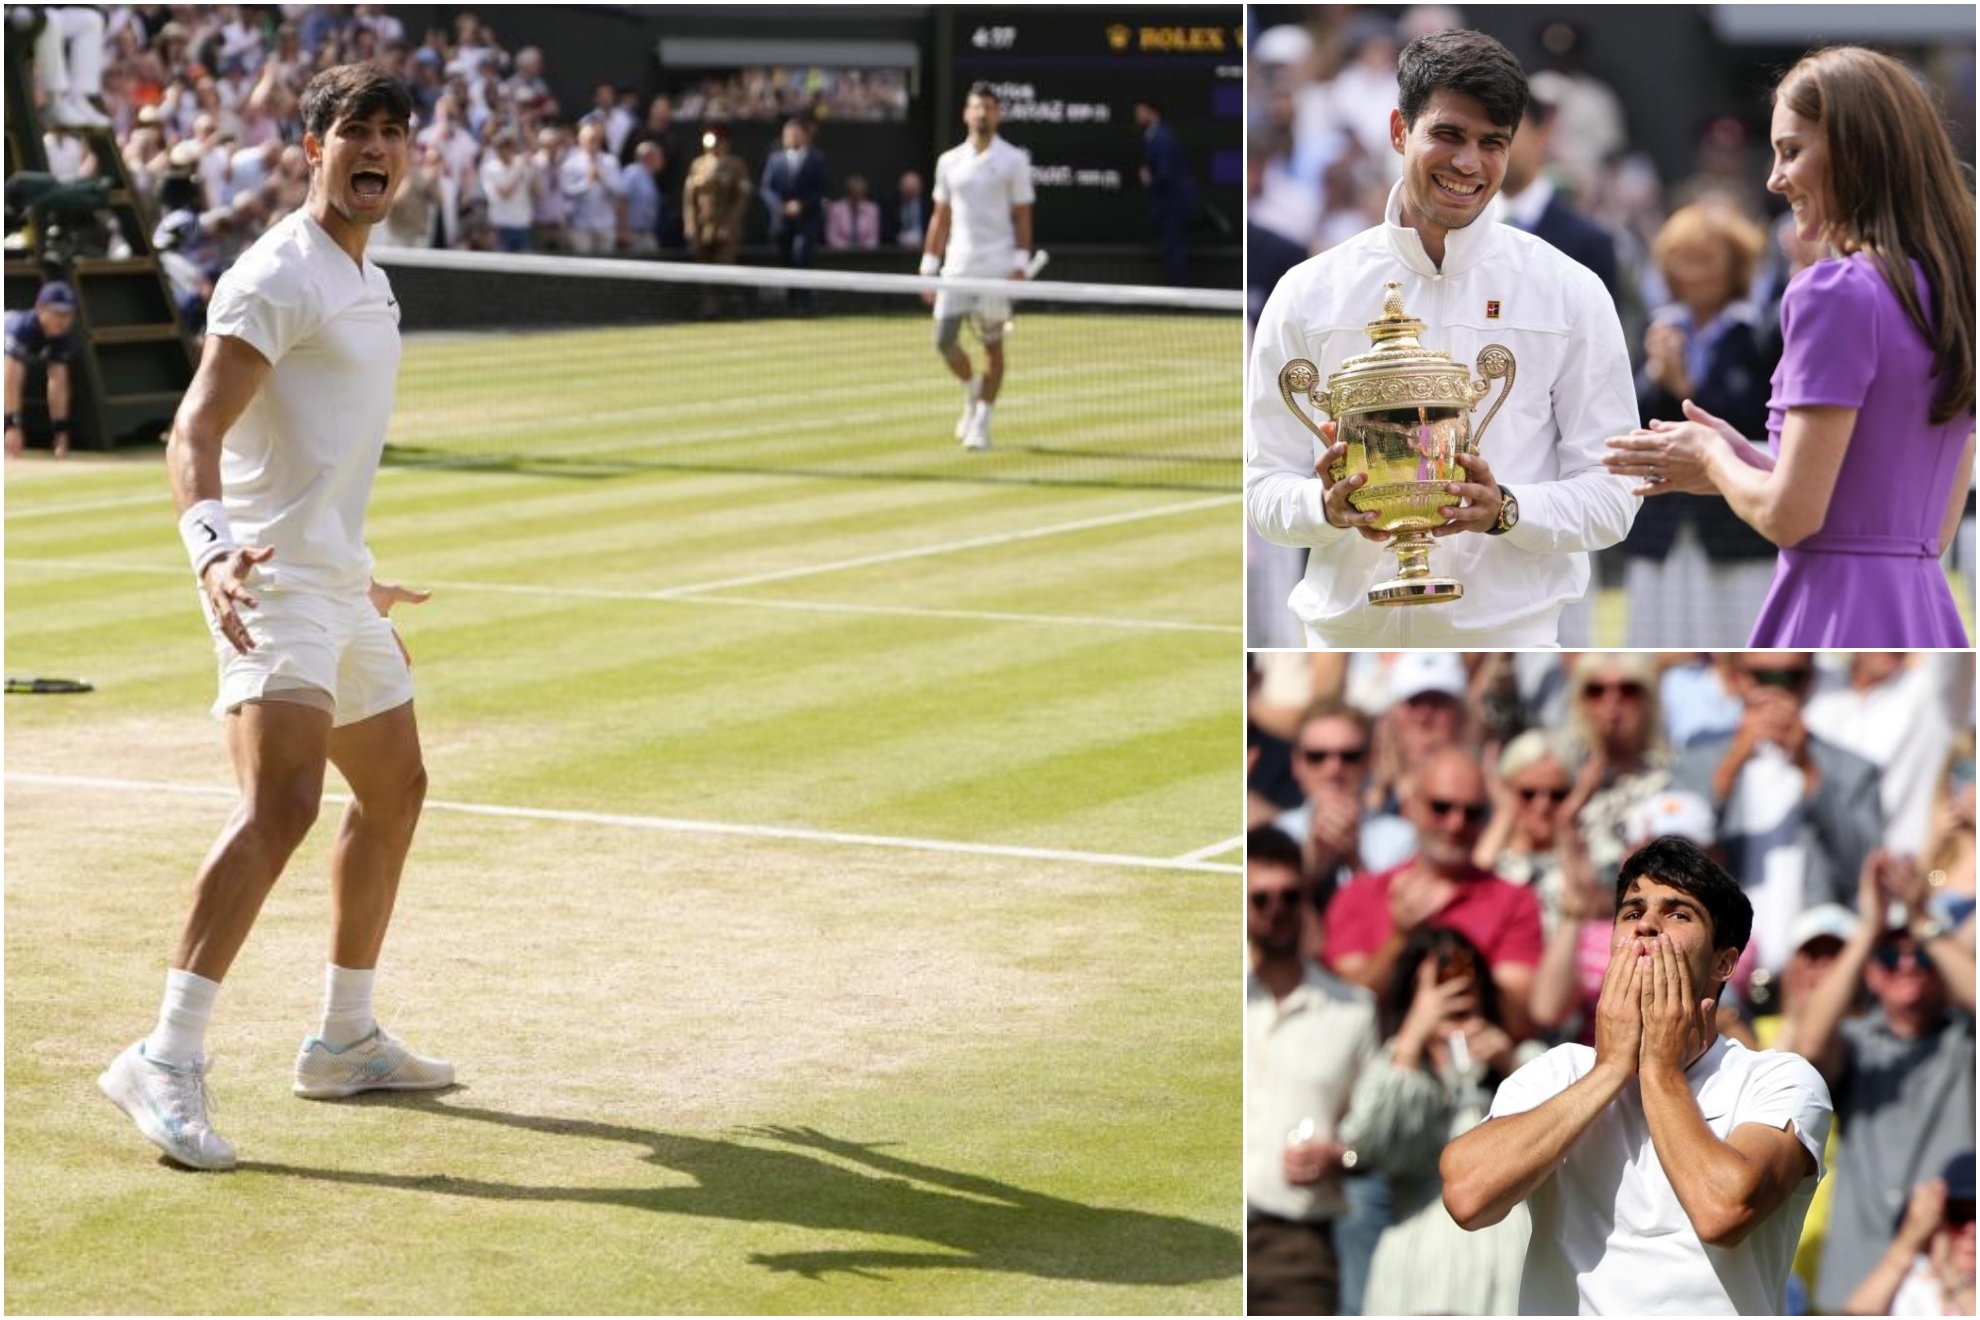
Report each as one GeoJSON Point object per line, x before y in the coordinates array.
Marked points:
{"type": "Point", "coordinates": [1491, 547]}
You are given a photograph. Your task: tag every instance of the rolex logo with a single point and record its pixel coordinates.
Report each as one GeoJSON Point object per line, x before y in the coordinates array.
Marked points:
{"type": "Point", "coordinates": [1118, 35]}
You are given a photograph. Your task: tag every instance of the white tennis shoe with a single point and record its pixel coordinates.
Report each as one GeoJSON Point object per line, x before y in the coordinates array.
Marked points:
{"type": "Point", "coordinates": [977, 437]}
{"type": "Point", "coordinates": [169, 1105]}
{"type": "Point", "coordinates": [376, 1063]}
{"type": "Point", "coordinates": [970, 408]}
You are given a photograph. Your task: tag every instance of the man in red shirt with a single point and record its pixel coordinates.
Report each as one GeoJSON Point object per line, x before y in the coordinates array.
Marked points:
{"type": "Point", "coordinates": [1371, 919]}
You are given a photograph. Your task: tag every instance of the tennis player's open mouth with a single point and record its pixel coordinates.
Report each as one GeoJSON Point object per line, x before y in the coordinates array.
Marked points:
{"type": "Point", "coordinates": [1456, 189]}
{"type": "Point", "coordinates": [370, 183]}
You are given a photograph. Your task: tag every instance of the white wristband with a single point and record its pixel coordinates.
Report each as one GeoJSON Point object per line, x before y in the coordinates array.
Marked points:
{"type": "Point", "coordinates": [207, 534]}
{"type": "Point", "coordinates": [1020, 259]}
{"type": "Point", "coordinates": [930, 264]}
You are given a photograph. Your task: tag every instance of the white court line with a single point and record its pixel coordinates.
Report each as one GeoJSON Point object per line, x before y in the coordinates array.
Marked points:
{"type": "Point", "coordinates": [740, 602]}
{"type": "Point", "coordinates": [160, 497]}
{"type": "Point", "coordinates": [670, 825]}
{"type": "Point", "coordinates": [1204, 854]}
{"type": "Point", "coordinates": [950, 547]}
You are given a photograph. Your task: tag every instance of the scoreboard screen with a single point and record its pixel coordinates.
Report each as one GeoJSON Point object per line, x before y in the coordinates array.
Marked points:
{"type": "Point", "coordinates": [1068, 77]}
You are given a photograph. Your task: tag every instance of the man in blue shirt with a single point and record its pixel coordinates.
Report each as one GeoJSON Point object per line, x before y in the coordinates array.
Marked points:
{"type": "Point", "coordinates": [41, 334]}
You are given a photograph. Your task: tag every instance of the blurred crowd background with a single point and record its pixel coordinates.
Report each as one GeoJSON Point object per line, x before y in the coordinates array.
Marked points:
{"type": "Point", "coordinates": [1644, 156]}
{"type": "Point", "coordinates": [1473, 810]}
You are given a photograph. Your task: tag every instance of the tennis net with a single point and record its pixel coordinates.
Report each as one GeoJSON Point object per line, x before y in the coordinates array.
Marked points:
{"type": "Point", "coordinates": [585, 364]}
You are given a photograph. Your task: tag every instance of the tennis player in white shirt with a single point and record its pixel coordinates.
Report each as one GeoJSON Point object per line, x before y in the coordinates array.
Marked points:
{"type": "Point", "coordinates": [1669, 1168]}
{"type": "Point", "coordinates": [272, 457]}
{"type": "Point", "coordinates": [1538, 499]}
{"type": "Point", "coordinates": [981, 229]}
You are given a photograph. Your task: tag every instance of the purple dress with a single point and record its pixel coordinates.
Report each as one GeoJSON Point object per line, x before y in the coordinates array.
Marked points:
{"type": "Point", "coordinates": [1870, 577]}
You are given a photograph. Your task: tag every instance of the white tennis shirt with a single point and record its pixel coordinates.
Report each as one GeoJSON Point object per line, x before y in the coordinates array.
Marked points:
{"type": "Point", "coordinates": [296, 469]}
{"type": "Point", "coordinates": [1571, 389]}
{"type": "Point", "coordinates": [1609, 1235]}
{"type": "Point", "coordinates": [980, 189]}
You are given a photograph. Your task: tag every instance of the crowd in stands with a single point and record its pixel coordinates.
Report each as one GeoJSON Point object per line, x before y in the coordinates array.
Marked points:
{"type": "Point", "coordinates": [1443, 833]}
{"type": "Point", "coordinates": [202, 102]}
{"type": "Point", "coordinates": [1697, 267]}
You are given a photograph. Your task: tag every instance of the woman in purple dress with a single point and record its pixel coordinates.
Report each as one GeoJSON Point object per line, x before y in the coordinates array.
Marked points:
{"type": "Point", "coordinates": [1870, 427]}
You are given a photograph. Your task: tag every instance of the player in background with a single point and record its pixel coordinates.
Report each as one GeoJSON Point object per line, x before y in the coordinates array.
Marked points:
{"type": "Point", "coordinates": [981, 229]}
{"type": "Point", "coordinates": [272, 457]}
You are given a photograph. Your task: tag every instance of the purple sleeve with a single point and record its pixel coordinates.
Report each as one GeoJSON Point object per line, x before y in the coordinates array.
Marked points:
{"type": "Point", "coordinates": [1829, 327]}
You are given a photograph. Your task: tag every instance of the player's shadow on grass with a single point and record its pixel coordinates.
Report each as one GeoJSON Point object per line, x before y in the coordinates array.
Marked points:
{"type": "Point", "coordinates": [972, 1222]}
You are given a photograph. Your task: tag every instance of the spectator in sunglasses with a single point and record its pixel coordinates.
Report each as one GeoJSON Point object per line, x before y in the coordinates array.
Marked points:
{"type": "Point", "coordinates": [1338, 831]}
{"type": "Point", "coordinates": [1613, 709]}
{"type": "Point", "coordinates": [1308, 1035]}
{"type": "Point", "coordinates": [1797, 814]}
{"type": "Point", "coordinates": [1929, 1267]}
{"type": "Point", "coordinates": [1368, 924]}
{"type": "Point", "coordinates": [1901, 1074]}
{"type": "Point", "coordinates": [1533, 839]}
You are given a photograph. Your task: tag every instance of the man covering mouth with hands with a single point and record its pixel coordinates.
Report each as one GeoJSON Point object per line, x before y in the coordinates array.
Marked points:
{"type": "Point", "coordinates": [1669, 1168]}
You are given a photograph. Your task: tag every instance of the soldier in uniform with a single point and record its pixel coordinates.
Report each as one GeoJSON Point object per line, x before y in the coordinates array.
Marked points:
{"type": "Point", "coordinates": [716, 201]}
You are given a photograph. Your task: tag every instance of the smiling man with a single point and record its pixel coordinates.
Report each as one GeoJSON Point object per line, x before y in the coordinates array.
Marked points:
{"type": "Point", "coordinates": [1538, 500]}
{"type": "Point", "coordinates": [1669, 1168]}
{"type": "Point", "coordinates": [272, 456]}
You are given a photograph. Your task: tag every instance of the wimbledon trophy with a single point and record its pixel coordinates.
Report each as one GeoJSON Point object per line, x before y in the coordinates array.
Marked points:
{"type": "Point", "coordinates": [1405, 415]}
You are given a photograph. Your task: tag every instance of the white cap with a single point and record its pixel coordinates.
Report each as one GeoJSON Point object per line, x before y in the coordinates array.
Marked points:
{"type": "Point", "coordinates": [1686, 815]}
{"type": "Point", "coordinates": [1414, 673]}
{"type": "Point", "coordinates": [1285, 44]}
{"type": "Point", "coordinates": [1831, 919]}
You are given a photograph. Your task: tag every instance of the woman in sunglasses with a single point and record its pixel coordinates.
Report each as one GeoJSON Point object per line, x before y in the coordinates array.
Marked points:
{"type": "Point", "coordinates": [1870, 428]}
{"type": "Point", "coordinates": [1532, 839]}
{"type": "Point", "coordinates": [1613, 709]}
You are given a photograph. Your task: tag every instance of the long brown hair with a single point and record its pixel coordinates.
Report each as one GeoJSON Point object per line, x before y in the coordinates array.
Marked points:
{"type": "Point", "coordinates": [1896, 191]}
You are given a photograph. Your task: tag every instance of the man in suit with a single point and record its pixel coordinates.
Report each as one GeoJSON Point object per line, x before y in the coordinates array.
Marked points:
{"type": "Point", "coordinates": [794, 190]}
{"type": "Point", "coordinates": [911, 212]}
{"type": "Point", "coordinates": [1532, 203]}
{"type": "Point", "coordinates": [1171, 190]}
{"type": "Point", "coordinates": [1797, 815]}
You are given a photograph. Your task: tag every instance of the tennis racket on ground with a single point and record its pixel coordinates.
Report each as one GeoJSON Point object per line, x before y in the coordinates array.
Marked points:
{"type": "Point", "coordinates": [39, 686]}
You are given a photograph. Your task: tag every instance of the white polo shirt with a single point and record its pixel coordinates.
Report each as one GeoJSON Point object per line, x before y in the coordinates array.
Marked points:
{"type": "Point", "coordinates": [1571, 390]}
{"type": "Point", "coordinates": [980, 189]}
{"type": "Point", "coordinates": [1302, 1055]}
{"type": "Point", "coordinates": [1609, 1235]}
{"type": "Point", "coordinates": [296, 469]}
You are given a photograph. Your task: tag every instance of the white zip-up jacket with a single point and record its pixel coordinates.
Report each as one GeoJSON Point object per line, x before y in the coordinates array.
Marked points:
{"type": "Point", "coordinates": [1572, 390]}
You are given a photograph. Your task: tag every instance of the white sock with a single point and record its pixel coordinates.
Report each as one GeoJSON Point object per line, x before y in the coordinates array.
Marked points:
{"type": "Point", "coordinates": [983, 412]}
{"type": "Point", "coordinates": [347, 1005]}
{"type": "Point", "coordinates": [180, 1036]}
{"type": "Point", "coordinates": [973, 391]}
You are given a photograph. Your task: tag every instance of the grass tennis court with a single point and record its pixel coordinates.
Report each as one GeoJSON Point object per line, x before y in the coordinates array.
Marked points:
{"type": "Point", "coordinates": [825, 891]}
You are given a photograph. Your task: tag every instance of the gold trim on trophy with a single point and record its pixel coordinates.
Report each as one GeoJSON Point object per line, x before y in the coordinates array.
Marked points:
{"type": "Point", "coordinates": [1404, 412]}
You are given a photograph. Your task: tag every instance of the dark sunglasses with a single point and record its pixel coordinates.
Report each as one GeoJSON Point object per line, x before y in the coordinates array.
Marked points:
{"type": "Point", "coordinates": [1791, 679]}
{"type": "Point", "coordinates": [1596, 691]}
{"type": "Point", "coordinates": [1266, 899]}
{"type": "Point", "coordinates": [1554, 795]}
{"type": "Point", "coordinates": [1474, 812]}
{"type": "Point", "coordinates": [1322, 755]}
{"type": "Point", "coordinates": [1889, 955]}
{"type": "Point", "coordinates": [1959, 1212]}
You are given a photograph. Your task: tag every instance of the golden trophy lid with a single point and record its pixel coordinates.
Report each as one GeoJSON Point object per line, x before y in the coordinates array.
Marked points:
{"type": "Point", "coordinates": [1395, 338]}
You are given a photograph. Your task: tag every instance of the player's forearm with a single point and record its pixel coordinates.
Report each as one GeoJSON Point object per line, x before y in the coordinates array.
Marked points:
{"type": "Point", "coordinates": [1287, 509]}
{"type": "Point", "coordinates": [1588, 511]}
{"type": "Point", "coordinates": [1021, 226]}
{"type": "Point", "coordinates": [936, 242]}
{"type": "Point", "coordinates": [16, 383]}
{"type": "Point", "coordinates": [1500, 1163]}
{"type": "Point", "coordinates": [1718, 1187]}
{"type": "Point", "coordinates": [58, 393]}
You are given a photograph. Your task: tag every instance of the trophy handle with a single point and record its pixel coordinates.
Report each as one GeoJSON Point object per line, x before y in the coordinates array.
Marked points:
{"type": "Point", "coordinates": [1494, 361]}
{"type": "Point", "coordinates": [1301, 377]}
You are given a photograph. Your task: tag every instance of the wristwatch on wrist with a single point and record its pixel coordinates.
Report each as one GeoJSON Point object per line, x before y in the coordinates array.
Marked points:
{"type": "Point", "coordinates": [1508, 514]}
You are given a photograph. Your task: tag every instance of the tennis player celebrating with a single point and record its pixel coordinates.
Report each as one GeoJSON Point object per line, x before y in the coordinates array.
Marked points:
{"type": "Point", "coordinates": [981, 229]}
{"type": "Point", "coordinates": [1666, 1138]}
{"type": "Point", "coordinates": [272, 457]}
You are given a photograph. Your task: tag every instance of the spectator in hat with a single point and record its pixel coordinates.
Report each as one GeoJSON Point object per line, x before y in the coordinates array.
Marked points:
{"type": "Point", "coordinates": [41, 334]}
{"type": "Point", "coordinates": [1425, 715]}
{"type": "Point", "coordinates": [1928, 1269]}
{"type": "Point", "coordinates": [1902, 1074]}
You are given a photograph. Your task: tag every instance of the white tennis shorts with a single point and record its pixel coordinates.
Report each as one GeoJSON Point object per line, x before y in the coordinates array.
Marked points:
{"type": "Point", "coordinates": [989, 312]}
{"type": "Point", "coordinates": [340, 645]}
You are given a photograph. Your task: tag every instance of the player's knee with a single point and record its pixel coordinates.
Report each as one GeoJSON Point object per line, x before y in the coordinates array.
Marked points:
{"type": "Point", "coordinates": [281, 816]}
{"type": "Point", "coordinates": [948, 331]}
